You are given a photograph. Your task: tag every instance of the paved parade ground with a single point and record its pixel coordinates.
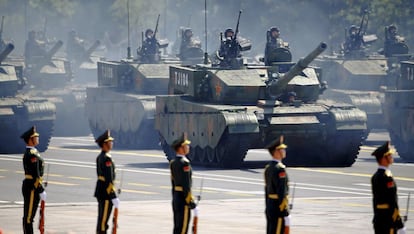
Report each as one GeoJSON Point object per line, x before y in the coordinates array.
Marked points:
{"type": "Point", "coordinates": [326, 200]}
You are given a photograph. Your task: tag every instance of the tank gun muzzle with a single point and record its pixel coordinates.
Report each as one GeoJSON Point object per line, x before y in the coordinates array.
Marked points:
{"type": "Point", "coordinates": [277, 87]}
{"type": "Point", "coordinates": [7, 50]}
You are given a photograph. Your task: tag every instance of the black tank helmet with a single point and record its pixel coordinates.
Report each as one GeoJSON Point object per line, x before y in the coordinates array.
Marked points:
{"type": "Point", "coordinates": [229, 30]}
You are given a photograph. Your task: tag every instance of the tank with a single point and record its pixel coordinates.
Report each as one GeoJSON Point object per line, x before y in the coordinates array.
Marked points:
{"type": "Point", "coordinates": [227, 112]}
{"type": "Point", "coordinates": [85, 66]}
{"type": "Point", "coordinates": [398, 109]}
{"type": "Point", "coordinates": [18, 112]}
{"type": "Point", "coordinates": [52, 78]}
{"type": "Point", "coordinates": [124, 101]}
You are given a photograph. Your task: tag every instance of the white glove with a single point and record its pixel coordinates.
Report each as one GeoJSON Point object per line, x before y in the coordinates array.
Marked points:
{"type": "Point", "coordinates": [401, 231]}
{"type": "Point", "coordinates": [287, 220]}
{"type": "Point", "coordinates": [115, 202]}
{"type": "Point", "coordinates": [195, 210]}
{"type": "Point", "coordinates": [43, 196]}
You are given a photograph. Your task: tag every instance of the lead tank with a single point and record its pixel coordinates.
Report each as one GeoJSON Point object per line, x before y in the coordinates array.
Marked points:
{"type": "Point", "coordinates": [227, 112]}
{"type": "Point", "coordinates": [18, 112]}
{"type": "Point", "coordinates": [52, 78]}
{"type": "Point", "coordinates": [398, 109]}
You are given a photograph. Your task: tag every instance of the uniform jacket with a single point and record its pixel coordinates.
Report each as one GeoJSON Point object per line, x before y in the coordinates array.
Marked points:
{"type": "Point", "coordinates": [276, 188]}
{"type": "Point", "coordinates": [385, 200]}
{"type": "Point", "coordinates": [33, 166]}
{"type": "Point", "coordinates": [181, 173]}
{"type": "Point", "coordinates": [105, 169]}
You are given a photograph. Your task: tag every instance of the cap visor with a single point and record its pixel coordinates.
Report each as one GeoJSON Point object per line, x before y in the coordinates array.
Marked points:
{"type": "Point", "coordinates": [281, 146]}
{"type": "Point", "coordinates": [109, 139]}
{"type": "Point", "coordinates": [35, 134]}
{"type": "Point", "coordinates": [186, 142]}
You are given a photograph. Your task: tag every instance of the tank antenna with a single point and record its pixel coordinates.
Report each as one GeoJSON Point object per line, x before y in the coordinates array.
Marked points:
{"type": "Point", "coordinates": [205, 32]}
{"type": "Point", "coordinates": [129, 42]}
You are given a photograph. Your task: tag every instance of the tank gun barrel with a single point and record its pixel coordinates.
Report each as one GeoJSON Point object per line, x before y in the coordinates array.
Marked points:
{"type": "Point", "coordinates": [92, 49]}
{"type": "Point", "coordinates": [53, 51]}
{"type": "Point", "coordinates": [7, 50]}
{"type": "Point", "coordinates": [297, 69]}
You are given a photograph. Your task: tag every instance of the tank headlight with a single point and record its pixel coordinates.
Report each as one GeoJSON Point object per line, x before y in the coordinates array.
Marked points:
{"type": "Point", "coordinates": [259, 115]}
{"type": "Point", "coordinates": [274, 75]}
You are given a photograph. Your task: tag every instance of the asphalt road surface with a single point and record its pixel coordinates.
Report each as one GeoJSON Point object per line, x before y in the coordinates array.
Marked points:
{"type": "Point", "coordinates": [319, 193]}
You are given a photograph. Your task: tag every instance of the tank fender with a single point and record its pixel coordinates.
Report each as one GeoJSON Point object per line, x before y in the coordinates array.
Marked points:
{"type": "Point", "coordinates": [349, 119]}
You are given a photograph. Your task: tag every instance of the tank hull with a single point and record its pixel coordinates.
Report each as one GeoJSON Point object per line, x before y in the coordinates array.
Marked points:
{"type": "Point", "coordinates": [20, 113]}
{"type": "Point", "coordinates": [357, 82]}
{"type": "Point", "coordinates": [319, 134]}
{"type": "Point", "coordinates": [399, 117]}
{"type": "Point", "coordinates": [130, 117]}
{"type": "Point", "coordinates": [54, 82]}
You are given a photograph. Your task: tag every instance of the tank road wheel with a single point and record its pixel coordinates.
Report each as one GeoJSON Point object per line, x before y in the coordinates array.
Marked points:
{"type": "Point", "coordinates": [211, 156]}
{"type": "Point", "coordinates": [405, 149]}
{"type": "Point", "coordinates": [230, 151]}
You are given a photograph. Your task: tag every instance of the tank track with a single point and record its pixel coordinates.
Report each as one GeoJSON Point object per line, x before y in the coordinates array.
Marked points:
{"type": "Point", "coordinates": [332, 152]}
{"type": "Point", "coordinates": [229, 152]}
{"type": "Point", "coordinates": [144, 138]}
{"type": "Point", "coordinates": [45, 129]}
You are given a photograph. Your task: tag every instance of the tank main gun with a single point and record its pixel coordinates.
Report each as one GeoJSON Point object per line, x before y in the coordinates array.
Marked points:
{"type": "Point", "coordinates": [277, 85]}
{"type": "Point", "coordinates": [53, 51]}
{"type": "Point", "coordinates": [91, 49]}
{"type": "Point", "coordinates": [6, 51]}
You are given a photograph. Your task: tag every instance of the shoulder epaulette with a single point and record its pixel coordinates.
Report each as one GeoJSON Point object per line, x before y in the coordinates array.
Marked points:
{"type": "Point", "coordinates": [388, 173]}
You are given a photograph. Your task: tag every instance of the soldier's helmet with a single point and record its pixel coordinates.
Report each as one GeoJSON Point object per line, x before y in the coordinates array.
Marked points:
{"type": "Point", "coordinates": [148, 31]}
{"type": "Point", "coordinates": [227, 32]}
{"type": "Point", "coordinates": [352, 29]}
{"type": "Point", "coordinates": [392, 28]}
{"type": "Point", "coordinates": [274, 29]}
{"type": "Point", "coordinates": [188, 32]}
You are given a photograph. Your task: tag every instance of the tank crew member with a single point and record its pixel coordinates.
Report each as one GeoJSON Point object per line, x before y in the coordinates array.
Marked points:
{"type": "Point", "coordinates": [181, 181]}
{"type": "Point", "coordinates": [288, 97]}
{"type": "Point", "coordinates": [394, 43]}
{"type": "Point", "coordinates": [387, 217]}
{"type": "Point", "coordinates": [277, 189]}
{"type": "Point", "coordinates": [105, 189]}
{"type": "Point", "coordinates": [354, 41]}
{"type": "Point", "coordinates": [74, 46]}
{"type": "Point", "coordinates": [229, 49]}
{"type": "Point", "coordinates": [273, 41]}
{"type": "Point", "coordinates": [32, 188]}
{"type": "Point", "coordinates": [187, 43]}
{"type": "Point", "coordinates": [149, 51]}
{"type": "Point", "coordinates": [34, 49]}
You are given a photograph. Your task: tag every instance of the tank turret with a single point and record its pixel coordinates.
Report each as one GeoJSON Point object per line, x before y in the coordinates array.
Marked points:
{"type": "Point", "coordinates": [227, 112]}
{"type": "Point", "coordinates": [19, 111]}
{"type": "Point", "coordinates": [276, 86]}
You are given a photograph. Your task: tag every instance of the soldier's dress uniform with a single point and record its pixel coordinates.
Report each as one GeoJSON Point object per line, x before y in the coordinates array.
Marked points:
{"type": "Point", "coordinates": [181, 181]}
{"type": "Point", "coordinates": [105, 189]}
{"type": "Point", "coordinates": [33, 165]}
{"type": "Point", "coordinates": [276, 193]}
{"type": "Point", "coordinates": [387, 219]}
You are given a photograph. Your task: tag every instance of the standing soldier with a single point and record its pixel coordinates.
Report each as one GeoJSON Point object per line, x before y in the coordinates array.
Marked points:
{"type": "Point", "coordinates": [229, 49]}
{"type": "Point", "coordinates": [149, 51]}
{"type": "Point", "coordinates": [105, 189]}
{"type": "Point", "coordinates": [277, 190]}
{"type": "Point", "coordinates": [181, 183]}
{"type": "Point", "coordinates": [387, 217]}
{"type": "Point", "coordinates": [32, 188]}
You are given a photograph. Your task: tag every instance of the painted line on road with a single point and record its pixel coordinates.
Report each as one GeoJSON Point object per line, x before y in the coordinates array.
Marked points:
{"type": "Point", "coordinates": [61, 183]}
{"type": "Point", "coordinates": [139, 184]}
{"type": "Point", "coordinates": [79, 178]}
{"type": "Point", "coordinates": [1, 177]}
{"type": "Point", "coordinates": [326, 171]}
{"type": "Point", "coordinates": [114, 152]}
{"type": "Point", "coordinates": [138, 191]}
{"type": "Point", "coordinates": [3, 170]}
